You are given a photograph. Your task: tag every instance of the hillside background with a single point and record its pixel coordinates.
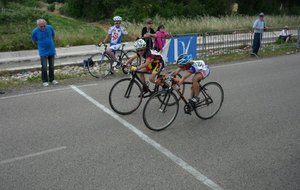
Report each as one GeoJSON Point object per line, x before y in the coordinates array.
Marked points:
{"type": "Point", "coordinates": [80, 22]}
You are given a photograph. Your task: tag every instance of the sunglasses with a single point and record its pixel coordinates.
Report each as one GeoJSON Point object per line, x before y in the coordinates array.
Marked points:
{"type": "Point", "coordinates": [42, 26]}
{"type": "Point", "coordinates": [140, 50]}
{"type": "Point", "coordinates": [117, 22]}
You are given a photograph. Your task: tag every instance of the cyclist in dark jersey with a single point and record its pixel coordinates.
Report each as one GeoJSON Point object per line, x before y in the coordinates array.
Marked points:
{"type": "Point", "coordinates": [150, 60]}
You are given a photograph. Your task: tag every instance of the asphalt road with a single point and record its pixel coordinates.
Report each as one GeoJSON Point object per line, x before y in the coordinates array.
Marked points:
{"type": "Point", "coordinates": [66, 137]}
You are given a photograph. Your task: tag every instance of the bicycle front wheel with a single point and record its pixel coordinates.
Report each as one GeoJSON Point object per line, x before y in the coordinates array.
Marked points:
{"type": "Point", "coordinates": [211, 99]}
{"type": "Point", "coordinates": [125, 96]}
{"type": "Point", "coordinates": [99, 66]}
{"type": "Point", "coordinates": [159, 113]}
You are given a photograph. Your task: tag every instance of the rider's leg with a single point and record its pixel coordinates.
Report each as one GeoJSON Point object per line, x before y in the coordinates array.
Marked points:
{"type": "Point", "coordinates": [145, 88]}
{"type": "Point", "coordinates": [142, 77]}
{"type": "Point", "coordinates": [195, 86]}
{"type": "Point", "coordinates": [111, 54]}
{"type": "Point", "coordinates": [152, 78]}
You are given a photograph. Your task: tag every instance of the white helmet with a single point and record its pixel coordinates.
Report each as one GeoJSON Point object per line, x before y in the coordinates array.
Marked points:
{"type": "Point", "coordinates": [117, 18]}
{"type": "Point", "coordinates": [139, 44]}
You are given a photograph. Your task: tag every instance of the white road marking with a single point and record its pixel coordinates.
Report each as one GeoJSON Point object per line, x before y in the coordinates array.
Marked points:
{"type": "Point", "coordinates": [31, 155]}
{"type": "Point", "coordinates": [199, 176]}
{"type": "Point", "coordinates": [44, 91]}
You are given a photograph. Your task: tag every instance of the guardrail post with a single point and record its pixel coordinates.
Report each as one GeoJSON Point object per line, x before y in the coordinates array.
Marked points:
{"type": "Point", "coordinates": [204, 45]}
{"type": "Point", "coordinates": [298, 38]}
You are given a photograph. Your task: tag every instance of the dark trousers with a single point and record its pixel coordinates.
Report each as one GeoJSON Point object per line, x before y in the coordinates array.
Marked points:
{"type": "Point", "coordinates": [256, 42]}
{"type": "Point", "coordinates": [284, 38]}
{"type": "Point", "coordinates": [50, 60]}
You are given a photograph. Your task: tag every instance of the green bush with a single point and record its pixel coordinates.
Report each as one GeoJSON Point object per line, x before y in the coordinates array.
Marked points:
{"type": "Point", "coordinates": [63, 9]}
{"type": "Point", "coordinates": [51, 7]}
{"type": "Point", "coordinates": [16, 13]}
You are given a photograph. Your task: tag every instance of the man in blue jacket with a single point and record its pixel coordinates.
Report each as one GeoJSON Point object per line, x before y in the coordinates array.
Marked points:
{"type": "Point", "coordinates": [43, 36]}
{"type": "Point", "coordinates": [259, 27]}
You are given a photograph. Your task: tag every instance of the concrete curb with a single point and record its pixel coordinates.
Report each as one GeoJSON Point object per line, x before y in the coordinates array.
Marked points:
{"type": "Point", "coordinates": [65, 56]}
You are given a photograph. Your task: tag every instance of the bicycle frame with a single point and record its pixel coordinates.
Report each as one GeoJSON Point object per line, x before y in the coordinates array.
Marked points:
{"type": "Point", "coordinates": [134, 76]}
{"type": "Point", "coordinates": [207, 100]}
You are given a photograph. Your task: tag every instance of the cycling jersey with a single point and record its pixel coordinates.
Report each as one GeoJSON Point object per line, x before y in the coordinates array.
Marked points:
{"type": "Point", "coordinates": [156, 57]}
{"type": "Point", "coordinates": [116, 34]}
{"type": "Point", "coordinates": [199, 66]}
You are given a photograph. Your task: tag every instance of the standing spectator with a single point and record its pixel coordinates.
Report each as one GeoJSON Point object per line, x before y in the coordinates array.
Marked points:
{"type": "Point", "coordinates": [160, 39]}
{"type": "Point", "coordinates": [43, 36]}
{"type": "Point", "coordinates": [284, 34]}
{"type": "Point", "coordinates": [259, 27]}
{"type": "Point", "coordinates": [115, 33]}
{"type": "Point", "coordinates": [148, 33]}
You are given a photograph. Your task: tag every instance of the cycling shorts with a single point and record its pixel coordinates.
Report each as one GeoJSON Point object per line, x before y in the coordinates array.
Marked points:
{"type": "Point", "coordinates": [115, 47]}
{"type": "Point", "coordinates": [203, 73]}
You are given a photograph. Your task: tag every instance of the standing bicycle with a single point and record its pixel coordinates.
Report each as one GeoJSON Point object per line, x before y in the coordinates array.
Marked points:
{"type": "Point", "coordinates": [101, 64]}
{"type": "Point", "coordinates": [201, 96]}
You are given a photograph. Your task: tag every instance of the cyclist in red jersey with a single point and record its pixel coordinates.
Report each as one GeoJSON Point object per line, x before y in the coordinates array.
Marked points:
{"type": "Point", "coordinates": [150, 60]}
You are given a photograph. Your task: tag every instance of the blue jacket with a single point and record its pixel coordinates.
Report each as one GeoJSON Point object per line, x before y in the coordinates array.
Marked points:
{"type": "Point", "coordinates": [259, 25]}
{"type": "Point", "coordinates": [45, 40]}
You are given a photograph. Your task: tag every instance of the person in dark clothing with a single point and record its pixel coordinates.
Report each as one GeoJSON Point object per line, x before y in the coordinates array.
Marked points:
{"type": "Point", "coordinates": [148, 33]}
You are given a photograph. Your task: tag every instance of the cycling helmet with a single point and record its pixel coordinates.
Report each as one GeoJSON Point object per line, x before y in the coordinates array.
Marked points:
{"type": "Point", "coordinates": [117, 18]}
{"type": "Point", "coordinates": [183, 59]}
{"type": "Point", "coordinates": [139, 44]}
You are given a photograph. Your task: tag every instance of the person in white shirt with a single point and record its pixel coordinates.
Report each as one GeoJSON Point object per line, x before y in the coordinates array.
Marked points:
{"type": "Point", "coordinates": [284, 34]}
{"type": "Point", "coordinates": [115, 34]}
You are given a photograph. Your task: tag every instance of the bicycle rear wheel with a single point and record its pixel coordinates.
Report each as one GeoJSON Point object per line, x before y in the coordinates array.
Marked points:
{"type": "Point", "coordinates": [211, 99]}
{"type": "Point", "coordinates": [159, 113]}
{"type": "Point", "coordinates": [99, 65]}
{"type": "Point", "coordinates": [125, 96]}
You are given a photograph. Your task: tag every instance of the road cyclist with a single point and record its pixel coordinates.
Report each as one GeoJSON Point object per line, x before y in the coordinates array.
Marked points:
{"type": "Point", "coordinates": [115, 34]}
{"type": "Point", "coordinates": [126, 94]}
{"type": "Point", "coordinates": [162, 107]}
{"type": "Point", "coordinates": [197, 67]}
{"type": "Point", "coordinates": [150, 61]}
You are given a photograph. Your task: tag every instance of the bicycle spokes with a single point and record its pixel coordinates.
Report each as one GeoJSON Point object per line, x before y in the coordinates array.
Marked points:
{"type": "Point", "coordinates": [211, 100]}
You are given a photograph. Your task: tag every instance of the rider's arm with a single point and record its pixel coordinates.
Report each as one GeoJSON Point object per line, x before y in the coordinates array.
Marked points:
{"type": "Point", "coordinates": [131, 59]}
{"type": "Point", "coordinates": [187, 75]}
{"type": "Point", "coordinates": [124, 31]}
{"type": "Point", "coordinates": [148, 61]}
{"type": "Point", "coordinates": [175, 72]}
{"type": "Point", "coordinates": [106, 38]}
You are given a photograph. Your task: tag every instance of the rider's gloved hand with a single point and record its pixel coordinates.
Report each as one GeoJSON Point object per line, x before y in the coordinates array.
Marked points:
{"type": "Point", "coordinates": [133, 68]}
{"type": "Point", "coordinates": [155, 70]}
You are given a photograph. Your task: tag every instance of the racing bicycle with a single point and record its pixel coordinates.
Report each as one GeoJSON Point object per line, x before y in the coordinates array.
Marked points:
{"type": "Point", "coordinates": [162, 107]}
{"type": "Point", "coordinates": [102, 65]}
{"type": "Point", "coordinates": [126, 95]}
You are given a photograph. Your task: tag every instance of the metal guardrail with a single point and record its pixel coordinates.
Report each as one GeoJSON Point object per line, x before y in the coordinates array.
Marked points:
{"type": "Point", "coordinates": [240, 41]}
{"type": "Point", "coordinates": [208, 44]}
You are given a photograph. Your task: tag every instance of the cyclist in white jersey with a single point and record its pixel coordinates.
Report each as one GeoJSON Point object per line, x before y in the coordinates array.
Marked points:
{"type": "Point", "coordinates": [115, 33]}
{"type": "Point", "coordinates": [200, 70]}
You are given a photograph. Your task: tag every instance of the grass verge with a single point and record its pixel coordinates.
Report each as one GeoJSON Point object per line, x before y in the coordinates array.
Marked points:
{"type": "Point", "coordinates": [14, 81]}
